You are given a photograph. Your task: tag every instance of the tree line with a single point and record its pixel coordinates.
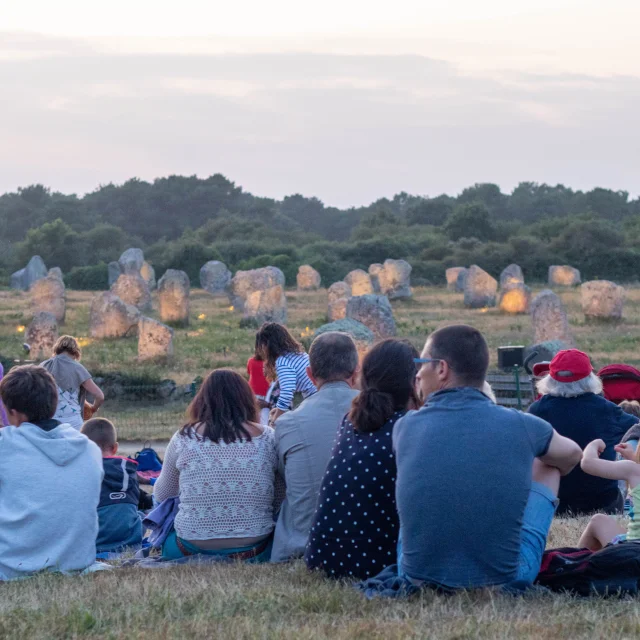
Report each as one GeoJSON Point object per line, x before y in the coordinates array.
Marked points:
{"type": "Point", "coordinates": [182, 222]}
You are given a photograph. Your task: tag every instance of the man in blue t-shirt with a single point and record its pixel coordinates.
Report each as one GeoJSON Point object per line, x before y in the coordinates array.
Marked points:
{"type": "Point", "coordinates": [572, 404]}
{"type": "Point", "coordinates": [477, 483]}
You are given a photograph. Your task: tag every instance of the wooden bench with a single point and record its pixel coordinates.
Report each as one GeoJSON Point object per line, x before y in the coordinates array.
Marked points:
{"type": "Point", "coordinates": [505, 388]}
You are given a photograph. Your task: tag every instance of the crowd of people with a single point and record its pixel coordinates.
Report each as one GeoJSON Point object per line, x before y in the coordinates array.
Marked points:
{"type": "Point", "coordinates": [403, 460]}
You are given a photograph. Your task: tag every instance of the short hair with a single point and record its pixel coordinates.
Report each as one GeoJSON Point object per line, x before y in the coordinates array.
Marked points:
{"type": "Point", "coordinates": [30, 389]}
{"type": "Point", "coordinates": [631, 407]}
{"type": "Point", "coordinates": [464, 349]}
{"type": "Point", "coordinates": [67, 344]}
{"type": "Point", "coordinates": [550, 387]}
{"type": "Point", "coordinates": [101, 431]}
{"type": "Point", "coordinates": [333, 356]}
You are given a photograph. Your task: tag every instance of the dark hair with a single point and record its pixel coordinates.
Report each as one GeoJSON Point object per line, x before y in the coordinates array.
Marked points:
{"type": "Point", "coordinates": [276, 341]}
{"type": "Point", "coordinates": [464, 349]}
{"type": "Point", "coordinates": [101, 431]}
{"type": "Point", "coordinates": [388, 384]}
{"type": "Point", "coordinates": [223, 404]}
{"type": "Point", "coordinates": [31, 390]}
{"type": "Point", "coordinates": [333, 356]}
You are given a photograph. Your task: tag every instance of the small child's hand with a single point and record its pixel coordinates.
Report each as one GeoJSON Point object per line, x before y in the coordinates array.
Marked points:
{"type": "Point", "coordinates": [626, 451]}
{"type": "Point", "coordinates": [595, 448]}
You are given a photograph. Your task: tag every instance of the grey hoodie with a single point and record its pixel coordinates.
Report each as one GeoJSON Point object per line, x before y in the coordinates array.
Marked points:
{"type": "Point", "coordinates": [49, 492]}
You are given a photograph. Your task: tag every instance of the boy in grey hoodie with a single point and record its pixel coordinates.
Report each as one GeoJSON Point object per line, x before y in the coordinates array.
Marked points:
{"type": "Point", "coordinates": [50, 477]}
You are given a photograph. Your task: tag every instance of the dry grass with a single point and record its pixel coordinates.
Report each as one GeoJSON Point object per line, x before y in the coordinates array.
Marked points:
{"type": "Point", "coordinates": [285, 601]}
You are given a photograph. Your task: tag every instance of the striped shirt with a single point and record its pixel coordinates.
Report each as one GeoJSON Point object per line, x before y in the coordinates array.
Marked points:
{"type": "Point", "coordinates": [291, 370]}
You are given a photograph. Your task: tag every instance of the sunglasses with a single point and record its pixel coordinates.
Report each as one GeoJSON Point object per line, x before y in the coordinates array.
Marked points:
{"type": "Point", "coordinates": [426, 360]}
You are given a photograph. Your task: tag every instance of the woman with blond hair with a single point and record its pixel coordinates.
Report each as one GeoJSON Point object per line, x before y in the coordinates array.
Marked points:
{"type": "Point", "coordinates": [74, 382]}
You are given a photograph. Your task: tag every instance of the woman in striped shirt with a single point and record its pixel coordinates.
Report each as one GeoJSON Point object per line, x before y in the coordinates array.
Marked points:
{"type": "Point", "coordinates": [285, 361]}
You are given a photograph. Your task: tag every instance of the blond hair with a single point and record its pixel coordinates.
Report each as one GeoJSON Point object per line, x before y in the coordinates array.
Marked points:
{"type": "Point", "coordinates": [101, 431]}
{"type": "Point", "coordinates": [631, 406]}
{"type": "Point", "coordinates": [68, 345]}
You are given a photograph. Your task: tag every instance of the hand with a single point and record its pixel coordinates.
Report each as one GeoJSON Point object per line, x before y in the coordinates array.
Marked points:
{"type": "Point", "coordinates": [595, 448]}
{"type": "Point", "coordinates": [626, 451]}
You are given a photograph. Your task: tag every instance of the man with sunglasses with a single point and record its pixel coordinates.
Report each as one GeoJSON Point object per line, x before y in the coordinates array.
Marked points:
{"type": "Point", "coordinates": [477, 483]}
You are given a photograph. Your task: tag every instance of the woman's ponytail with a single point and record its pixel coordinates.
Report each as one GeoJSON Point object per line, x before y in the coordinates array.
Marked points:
{"type": "Point", "coordinates": [371, 409]}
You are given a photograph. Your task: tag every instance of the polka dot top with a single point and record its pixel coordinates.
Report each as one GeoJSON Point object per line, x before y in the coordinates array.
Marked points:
{"type": "Point", "coordinates": [355, 528]}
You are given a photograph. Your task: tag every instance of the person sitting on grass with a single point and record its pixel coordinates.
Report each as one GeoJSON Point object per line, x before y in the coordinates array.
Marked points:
{"type": "Point", "coordinates": [259, 385]}
{"type": "Point", "coordinates": [50, 477]}
{"type": "Point", "coordinates": [120, 526]}
{"type": "Point", "coordinates": [467, 518]}
{"type": "Point", "coordinates": [572, 404]}
{"type": "Point", "coordinates": [604, 529]}
{"type": "Point", "coordinates": [355, 527]}
{"type": "Point", "coordinates": [223, 466]}
{"type": "Point", "coordinates": [285, 362]}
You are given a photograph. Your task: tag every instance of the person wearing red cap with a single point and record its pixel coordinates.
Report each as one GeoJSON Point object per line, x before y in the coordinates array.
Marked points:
{"type": "Point", "coordinates": [572, 403]}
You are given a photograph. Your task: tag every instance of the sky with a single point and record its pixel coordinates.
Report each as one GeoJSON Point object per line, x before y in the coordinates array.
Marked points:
{"type": "Point", "coordinates": [345, 100]}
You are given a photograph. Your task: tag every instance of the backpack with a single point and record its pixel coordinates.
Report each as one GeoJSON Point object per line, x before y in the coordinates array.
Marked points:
{"type": "Point", "coordinates": [614, 570]}
{"type": "Point", "coordinates": [148, 459]}
{"type": "Point", "coordinates": [620, 382]}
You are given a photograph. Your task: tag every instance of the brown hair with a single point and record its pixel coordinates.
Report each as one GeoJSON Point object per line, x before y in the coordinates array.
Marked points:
{"type": "Point", "coordinates": [388, 384]}
{"type": "Point", "coordinates": [101, 431]}
{"type": "Point", "coordinates": [68, 345]}
{"type": "Point", "coordinates": [223, 405]}
{"type": "Point", "coordinates": [274, 340]}
{"type": "Point", "coordinates": [31, 390]}
{"type": "Point", "coordinates": [631, 406]}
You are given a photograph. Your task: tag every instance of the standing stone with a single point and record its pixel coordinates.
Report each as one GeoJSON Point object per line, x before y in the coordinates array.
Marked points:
{"type": "Point", "coordinates": [266, 305]}
{"type": "Point", "coordinates": [515, 298]}
{"type": "Point", "coordinates": [480, 289]}
{"type": "Point", "coordinates": [115, 271]}
{"type": "Point", "coordinates": [48, 294]}
{"type": "Point", "coordinates": [56, 272]}
{"type": "Point", "coordinates": [41, 335]}
{"type": "Point", "coordinates": [215, 277]}
{"type": "Point", "coordinates": [132, 289]}
{"type": "Point", "coordinates": [360, 282]}
{"type": "Point", "coordinates": [308, 279]}
{"type": "Point", "coordinates": [245, 283]}
{"type": "Point", "coordinates": [131, 261]}
{"type": "Point", "coordinates": [392, 279]}
{"type": "Point", "coordinates": [563, 276]}
{"type": "Point", "coordinates": [544, 351]}
{"type": "Point", "coordinates": [361, 334]}
{"type": "Point", "coordinates": [456, 277]}
{"type": "Point", "coordinates": [155, 340]}
{"type": "Point", "coordinates": [148, 274]}
{"type": "Point", "coordinates": [602, 299]}
{"type": "Point", "coordinates": [173, 296]}
{"type": "Point", "coordinates": [511, 275]}
{"type": "Point", "coordinates": [549, 318]}
{"type": "Point", "coordinates": [374, 312]}
{"type": "Point", "coordinates": [110, 317]}
{"type": "Point", "coordinates": [35, 270]}
{"type": "Point", "coordinates": [339, 295]}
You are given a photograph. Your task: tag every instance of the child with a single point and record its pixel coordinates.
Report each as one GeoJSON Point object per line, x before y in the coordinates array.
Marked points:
{"type": "Point", "coordinates": [120, 525]}
{"type": "Point", "coordinates": [602, 529]}
{"type": "Point", "coordinates": [50, 479]}
{"type": "Point", "coordinates": [259, 385]}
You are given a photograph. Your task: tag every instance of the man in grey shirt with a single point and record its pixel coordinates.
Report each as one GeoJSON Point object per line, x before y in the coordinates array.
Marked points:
{"type": "Point", "coordinates": [305, 438]}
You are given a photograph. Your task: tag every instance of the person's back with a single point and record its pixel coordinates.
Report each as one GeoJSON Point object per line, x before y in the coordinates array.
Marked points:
{"type": "Point", "coordinates": [50, 478]}
{"type": "Point", "coordinates": [119, 523]}
{"type": "Point", "coordinates": [464, 476]}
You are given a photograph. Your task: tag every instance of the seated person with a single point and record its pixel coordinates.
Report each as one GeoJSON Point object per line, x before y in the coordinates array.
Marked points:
{"type": "Point", "coordinates": [572, 404]}
{"type": "Point", "coordinates": [355, 528]}
{"type": "Point", "coordinates": [603, 529]}
{"type": "Point", "coordinates": [468, 520]}
{"type": "Point", "coordinates": [223, 466]}
{"type": "Point", "coordinates": [50, 476]}
{"type": "Point", "coordinates": [119, 523]}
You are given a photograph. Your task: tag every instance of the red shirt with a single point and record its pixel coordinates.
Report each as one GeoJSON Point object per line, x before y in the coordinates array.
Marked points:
{"type": "Point", "coordinates": [258, 383]}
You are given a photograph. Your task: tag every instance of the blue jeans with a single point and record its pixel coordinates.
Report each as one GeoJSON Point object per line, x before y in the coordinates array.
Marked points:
{"type": "Point", "coordinates": [536, 522]}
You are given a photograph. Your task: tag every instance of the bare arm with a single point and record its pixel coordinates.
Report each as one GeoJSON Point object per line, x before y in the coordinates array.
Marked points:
{"type": "Point", "coordinates": [92, 388]}
{"type": "Point", "coordinates": [619, 470]}
{"type": "Point", "coordinates": [563, 454]}
{"type": "Point", "coordinates": [168, 482]}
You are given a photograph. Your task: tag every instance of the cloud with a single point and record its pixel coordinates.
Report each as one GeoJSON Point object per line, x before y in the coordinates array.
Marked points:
{"type": "Point", "coordinates": [347, 128]}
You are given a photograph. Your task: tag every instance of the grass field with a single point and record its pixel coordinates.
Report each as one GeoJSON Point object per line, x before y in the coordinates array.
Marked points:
{"type": "Point", "coordinates": [215, 339]}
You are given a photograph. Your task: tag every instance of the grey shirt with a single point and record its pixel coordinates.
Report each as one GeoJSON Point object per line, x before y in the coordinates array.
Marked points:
{"type": "Point", "coordinates": [304, 440]}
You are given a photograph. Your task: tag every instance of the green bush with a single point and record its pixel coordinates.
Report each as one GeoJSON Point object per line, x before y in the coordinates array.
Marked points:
{"type": "Point", "coordinates": [93, 278]}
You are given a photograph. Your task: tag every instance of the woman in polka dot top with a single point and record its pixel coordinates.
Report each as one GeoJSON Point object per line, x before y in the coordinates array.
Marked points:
{"type": "Point", "coordinates": [355, 529]}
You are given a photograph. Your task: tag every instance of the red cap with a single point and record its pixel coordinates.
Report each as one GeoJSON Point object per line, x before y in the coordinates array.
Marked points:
{"type": "Point", "coordinates": [570, 365]}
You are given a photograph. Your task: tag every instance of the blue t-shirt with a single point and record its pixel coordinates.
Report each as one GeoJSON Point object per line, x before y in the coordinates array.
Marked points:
{"type": "Point", "coordinates": [464, 470]}
{"type": "Point", "coordinates": [583, 419]}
